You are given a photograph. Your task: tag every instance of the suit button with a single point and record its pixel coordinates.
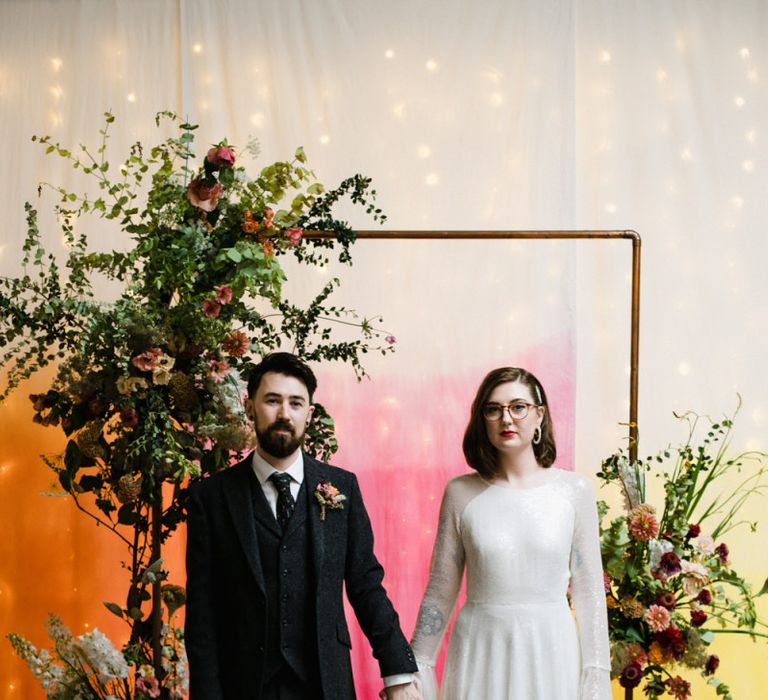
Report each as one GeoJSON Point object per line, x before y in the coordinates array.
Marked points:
{"type": "Point", "coordinates": [285, 623]}
{"type": "Point", "coordinates": [285, 572]}
{"type": "Point", "coordinates": [284, 596]}
{"type": "Point", "coordinates": [260, 648]}
{"type": "Point", "coordinates": [284, 547]}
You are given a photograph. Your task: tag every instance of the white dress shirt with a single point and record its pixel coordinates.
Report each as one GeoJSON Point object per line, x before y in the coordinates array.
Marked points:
{"type": "Point", "coordinates": [263, 470]}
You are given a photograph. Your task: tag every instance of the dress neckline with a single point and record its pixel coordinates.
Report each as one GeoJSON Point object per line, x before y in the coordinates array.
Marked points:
{"type": "Point", "coordinates": [550, 480]}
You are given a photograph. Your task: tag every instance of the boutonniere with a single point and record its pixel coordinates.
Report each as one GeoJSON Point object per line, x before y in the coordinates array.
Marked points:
{"type": "Point", "coordinates": [328, 496]}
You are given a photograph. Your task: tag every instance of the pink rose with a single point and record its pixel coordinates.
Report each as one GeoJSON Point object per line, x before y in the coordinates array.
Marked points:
{"type": "Point", "coordinates": [211, 308]}
{"type": "Point", "coordinates": [221, 157]}
{"type": "Point", "coordinates": [293, 235]}
{"type": "Point", "coordinates": [223, 295]}
{"type": "Point", "coordinates": [204, 194]}
{"type": "Point", "coordinates": [148, 686]}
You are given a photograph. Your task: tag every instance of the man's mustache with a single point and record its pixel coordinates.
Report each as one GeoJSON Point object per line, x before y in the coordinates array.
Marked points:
{"type": "Point", "coordinates": [281, 425]}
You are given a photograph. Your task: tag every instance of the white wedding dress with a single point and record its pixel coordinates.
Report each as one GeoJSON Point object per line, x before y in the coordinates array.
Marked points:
{"type": "Point", "coordinates": [516, 639]}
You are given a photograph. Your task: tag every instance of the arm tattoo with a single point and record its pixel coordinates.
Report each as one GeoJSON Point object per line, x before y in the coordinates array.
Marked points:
{"type": "Point", "coordinates": [431, 620]}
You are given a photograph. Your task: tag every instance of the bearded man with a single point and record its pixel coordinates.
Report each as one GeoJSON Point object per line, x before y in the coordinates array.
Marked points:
{"type": "Point", "coordinates": [271, 542]}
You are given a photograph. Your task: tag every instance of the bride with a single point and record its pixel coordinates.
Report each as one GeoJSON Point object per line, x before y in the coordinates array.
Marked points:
{"type": "Point", "coordinates": [524, 532]}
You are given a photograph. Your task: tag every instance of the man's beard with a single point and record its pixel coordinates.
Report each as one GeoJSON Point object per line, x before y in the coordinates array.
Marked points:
{"type": "Point", "coordinates": [279, 444]}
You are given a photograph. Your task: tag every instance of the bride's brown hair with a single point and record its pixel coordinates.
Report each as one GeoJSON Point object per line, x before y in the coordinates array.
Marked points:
{"type": "Point", "coordinates": [480, 454]}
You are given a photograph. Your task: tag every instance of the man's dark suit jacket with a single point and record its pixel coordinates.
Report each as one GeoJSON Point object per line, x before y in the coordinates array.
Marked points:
{"type": "Point", "coordinates": [226, 617]}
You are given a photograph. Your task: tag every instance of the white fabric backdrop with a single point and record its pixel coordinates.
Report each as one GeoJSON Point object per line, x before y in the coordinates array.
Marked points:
{"type": "Point", "coordinates": [506, 114]}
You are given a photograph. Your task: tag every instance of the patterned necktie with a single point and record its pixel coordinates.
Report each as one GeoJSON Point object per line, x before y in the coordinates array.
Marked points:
{"type": "Point", "coordinates": [285, 502]}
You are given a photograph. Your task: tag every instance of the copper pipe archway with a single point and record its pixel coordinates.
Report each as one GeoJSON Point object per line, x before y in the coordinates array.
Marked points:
{"type": "Point", "coordinates": [548, 235]}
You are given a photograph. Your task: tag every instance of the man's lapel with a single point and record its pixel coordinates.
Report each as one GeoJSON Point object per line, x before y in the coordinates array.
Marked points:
{"type": "Point", "coordinates": [314, 471]}
{"type": "Point", "coordinates": [237, 491]}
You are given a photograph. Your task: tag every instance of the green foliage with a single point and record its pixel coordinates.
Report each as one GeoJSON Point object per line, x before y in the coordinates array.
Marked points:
{"type": "Point", "coordinates": [149, 387]}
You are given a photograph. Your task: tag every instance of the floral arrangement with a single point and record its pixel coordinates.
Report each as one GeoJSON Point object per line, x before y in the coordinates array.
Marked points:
{"type": "Point", "coordinates": [669, 583]}
{"type": "Point", "coordinates": [328, 496]}
{"type": "Point", "coordinates": [149, 386]}
{"type": "Point", "coordinates": [89, 666]}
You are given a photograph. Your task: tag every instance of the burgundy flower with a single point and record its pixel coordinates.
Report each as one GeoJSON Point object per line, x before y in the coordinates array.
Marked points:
{"type": "Point", "coordinates": [631, 675]}
{"type": "Point", "coordinates": [606, 582]}
{"type": "Point", "coordinates": [698, 618]}
{"type": "Point", "coordinates": [693, 530]}
{"type": "Point", "coordinates": [704, 597]}
{"type": "Point", "coordinates": [211, 308]}
{"type": "Point", "coordinates": [671, 640]}
{"type": "Point", "coordinates": [129, 416]}
{"type": "Point", "coordinates": [711, 666]}
{"type": "Point", "coordinates": [670, 563]}
{"type": "Point", "coordinates": [221, 157]}
{"type": "Point", "coordinates": [722, 552]}
{"type": "Point", "coordinates": [204, 193]}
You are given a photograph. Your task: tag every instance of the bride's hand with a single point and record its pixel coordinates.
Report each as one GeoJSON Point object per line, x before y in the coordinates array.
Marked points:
{"type": "Point", "coordinates": [404, 691]}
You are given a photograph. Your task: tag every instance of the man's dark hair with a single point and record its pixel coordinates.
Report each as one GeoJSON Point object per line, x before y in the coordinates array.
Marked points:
{"type": "Point", "coordinates": [282, 363]}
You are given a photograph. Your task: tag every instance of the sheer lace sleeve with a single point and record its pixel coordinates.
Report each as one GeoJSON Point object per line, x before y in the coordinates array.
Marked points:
{"type": "Point", "coordinates": [445, 574]}
{"type": "Point", "coordinates": [588, 595]}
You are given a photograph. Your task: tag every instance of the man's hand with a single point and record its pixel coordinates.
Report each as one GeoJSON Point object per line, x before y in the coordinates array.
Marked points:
{"type": "Point", "coordinates": [404, 691]}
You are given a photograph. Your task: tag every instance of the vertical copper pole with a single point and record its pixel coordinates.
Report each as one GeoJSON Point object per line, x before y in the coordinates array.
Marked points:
{"type": "Point", "coordinates": [634, 348]}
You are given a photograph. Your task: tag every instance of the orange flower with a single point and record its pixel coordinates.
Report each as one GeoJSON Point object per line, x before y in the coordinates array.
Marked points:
{"type": "Point", "coordinates": [250, 226]}
{"type": "Point", "coordinates": [656, 653]}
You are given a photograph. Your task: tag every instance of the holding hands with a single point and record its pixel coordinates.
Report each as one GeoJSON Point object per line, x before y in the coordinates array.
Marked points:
{"type": "Point", "coordinates": [404, 691]}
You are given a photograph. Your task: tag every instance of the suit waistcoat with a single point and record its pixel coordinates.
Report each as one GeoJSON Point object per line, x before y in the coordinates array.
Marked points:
{"type": "Point", "coordinates": [286, 563]}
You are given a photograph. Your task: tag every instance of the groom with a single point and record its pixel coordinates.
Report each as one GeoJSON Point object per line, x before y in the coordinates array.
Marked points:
{"type": "Point", "coordinates": [266, 564]}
